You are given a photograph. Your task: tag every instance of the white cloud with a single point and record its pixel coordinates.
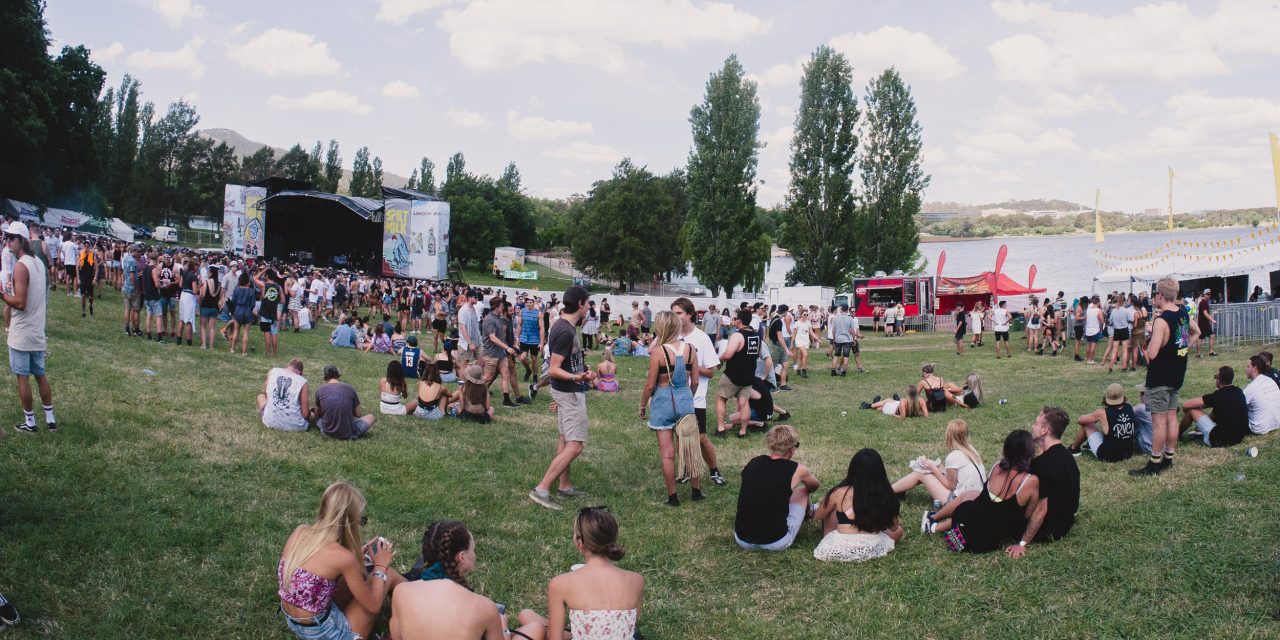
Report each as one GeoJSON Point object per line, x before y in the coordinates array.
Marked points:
{"type": "Point", "coordinates": [1162, 42]}
{"type": "Point", "coordinates": [284, 53]}
{"type": "Point", "coordinates": [175, 12]}
{"type": "Point", "coordinates": [1201, 126]}
{"type": "Point", "coordinates": [539, 128]}
{"type": "Point", "coordinates": [585, 152]}
{"type": "Point", "coordinates": [781, 75]}
{"type": "Point", "coordinates": [467, 118]}
{"type": "Point", "coordinates": [108, 53]}
{"type": "Point", "coordinates": [914, 54]}
{"type": "Point", "coordinates": [497, 34]}
{"type": "Point", "coordinates": [399, 11]}
{"type": "Point", "coordinates": [1008, 114]}
{"type": "Point", "coordinates": [988, 145]}
{"type": "Point", "coordinates": [400, 89]}
{"type": "Point", "coordinates": [320, 101]}
{"type": "Point", "coordinates": [183, 59]}
{"type": "Point", "coordinates": [190, 97]}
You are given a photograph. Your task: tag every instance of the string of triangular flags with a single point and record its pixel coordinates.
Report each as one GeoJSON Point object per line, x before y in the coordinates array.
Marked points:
{"type": "Point", "coordinates": [1268, 234]}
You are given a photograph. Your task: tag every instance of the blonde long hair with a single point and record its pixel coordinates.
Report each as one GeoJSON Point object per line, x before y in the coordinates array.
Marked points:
{"type": "Point", "coordinates": [974, 383]}
{"type": "Point", "coordinates": [338, 521]}
{"type": "Point", "coordinates": [666, 327]}
{"type": "Point", "coordinates": [958, 440]}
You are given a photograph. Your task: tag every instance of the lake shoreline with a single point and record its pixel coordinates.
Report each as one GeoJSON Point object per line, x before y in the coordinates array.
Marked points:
{"type": "Point", "coordinates": [931, 239]}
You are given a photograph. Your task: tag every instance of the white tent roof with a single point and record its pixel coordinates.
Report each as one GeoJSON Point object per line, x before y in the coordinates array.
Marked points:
{"type": "Point", "coordinates": [1181, 266]}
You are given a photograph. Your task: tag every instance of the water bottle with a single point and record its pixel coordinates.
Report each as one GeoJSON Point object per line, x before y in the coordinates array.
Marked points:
{"type": "Point", "coordinates": [937, 506]}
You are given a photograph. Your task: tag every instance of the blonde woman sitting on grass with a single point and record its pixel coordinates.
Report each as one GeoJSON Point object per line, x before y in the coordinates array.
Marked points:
{"type": "Point", "coordinates": [607, 374]}
{"type": "Point", "coordinates": [959, 473]}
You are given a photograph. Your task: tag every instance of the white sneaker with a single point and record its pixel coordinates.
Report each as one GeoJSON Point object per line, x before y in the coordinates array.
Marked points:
{"type": "Point", "coordinates": [926, 524]}
{"type": "Point", "coordinates": [544, 499]}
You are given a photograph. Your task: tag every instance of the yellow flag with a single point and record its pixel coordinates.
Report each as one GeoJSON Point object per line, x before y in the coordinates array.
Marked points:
{"type": "Point", "coordinates": [1097, 217]}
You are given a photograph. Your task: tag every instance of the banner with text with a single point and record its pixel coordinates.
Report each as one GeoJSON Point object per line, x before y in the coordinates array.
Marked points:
{"type": "Point", "coordinates": [429, 239]}
{"type": "Point", "coordinates": [233, 218]}
{"type": "Point", "coordinates": [395, 238]}
{"type": "Point", "coordinates": [255, 222]}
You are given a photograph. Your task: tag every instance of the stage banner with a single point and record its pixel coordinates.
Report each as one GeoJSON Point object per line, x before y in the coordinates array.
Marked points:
{"type": "Point", "coordinates": [64, 218]}
{"type": "Point", "coordinates": [429, 239]}
{"type": "Point", "coordinates": [520, 275]}
{"type": "Point", "coordinates": [233, 219]}
{"type": "Point", "coordinates": [395, 238]}
{"type": "Point", "coordinates": [255, 222]}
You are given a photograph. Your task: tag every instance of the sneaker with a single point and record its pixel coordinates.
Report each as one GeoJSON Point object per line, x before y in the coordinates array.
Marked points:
{"type": "Point", "coordinates": [895, 397]}
{"type": "Point", "coordinates": [718, 479]}
{"type": "Point", "coordinates": [861, 370]}
{"type": "Point", "coordinates": [785, 387]}
{"type": "Point", "coordinates": [53, 427]}
{"type": "Point", "coordinates": [843, 372]}
{"type": "Point", "coordinates": [571, 492]}
{"type": "Point", "coordinates": [926, 522]}
{"type": "Point", "coordinates": [544, 498]}
{"type": "Point", "coordinates": [865, 405]}
{"type": "Point", "coordinates": [697, 495]}
{"type": "Point", "coordinates": [1166, 464]}
{"type": "Point", "coordinates": [1075, 452]}
{"type": "Point", "coordinates": [1079, 359]}
{"type": "Point", "coordinates": [8, 614]}
{"type": "Point", "coordinates": [23, 427]}
{"type": "Point", "coordinates": [785, 415]}
{"type": "Point", "coordinates": [1149, 469]}
{"type": "Point", "coordinates": [877, 399]}
{"type": "Point", "coordinates": [673, 501]}
{"type": "Point", "coordinates": [533, 392]}
{"type": "Point", "coordinates": [833, 373]}
{"type": "Point", "coordinates": [523, 400]}
{"type": "Point", "coordinates": [509, 404]}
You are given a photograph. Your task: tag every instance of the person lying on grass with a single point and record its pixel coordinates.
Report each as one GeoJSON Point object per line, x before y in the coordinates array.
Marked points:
{"type": "Point", "coordinates": [602, 600]}
{"type": "Point", "coordinates": [978, 522]}
{"type": "Point", "coordinates": [914, 406]}
{"type": "Point", "coordinates": [961, 471]}
{"type": "Point", "coordinates": [859, 516]}
{"type": "Point", "coordinates": [325, 590]}
{"type": "Point", "coordinates": [440, 605]}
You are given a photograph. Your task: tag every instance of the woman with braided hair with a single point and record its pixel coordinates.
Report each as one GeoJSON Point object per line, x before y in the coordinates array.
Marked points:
{"type": "Point", "coordinates": [441, 605]}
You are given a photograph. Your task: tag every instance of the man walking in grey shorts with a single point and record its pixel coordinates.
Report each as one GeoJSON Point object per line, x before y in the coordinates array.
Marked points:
{"type": "Point", "coordinates": [570, 379]}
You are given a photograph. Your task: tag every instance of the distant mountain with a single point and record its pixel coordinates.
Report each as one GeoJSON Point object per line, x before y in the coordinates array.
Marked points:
{"type": "Point", "coordinates": [1016, 205]}
{"type": "Point", "coordinates": [246, 147]}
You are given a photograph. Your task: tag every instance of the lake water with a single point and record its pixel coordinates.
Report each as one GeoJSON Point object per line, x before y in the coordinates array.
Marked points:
{"type": "Point", "coordinates": [1063, 263]}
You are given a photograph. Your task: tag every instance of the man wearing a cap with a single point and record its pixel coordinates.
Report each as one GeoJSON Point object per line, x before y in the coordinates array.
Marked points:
{"type": "Point", "coordinates": [338, 408]}
{"type": "Point", "coordinates": [1222, 417]}
{"type": "Point", "coordinates": [1110, 429]}
{"type": "Point", "coordinates": [25, 295]}
{"type": "Point", "coordinates": [570, 379]}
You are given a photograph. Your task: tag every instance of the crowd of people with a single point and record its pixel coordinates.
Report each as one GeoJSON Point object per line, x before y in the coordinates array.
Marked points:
{"type": "Point", "coordinates": [479, 337]}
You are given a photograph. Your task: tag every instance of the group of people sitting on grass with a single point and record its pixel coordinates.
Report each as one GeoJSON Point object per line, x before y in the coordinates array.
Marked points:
{"type": "Point", "coordinates": [1030, 495]}
{"type": "Point", "coordinates": [334, 583]}
{"type": "Point", "coordinates": [931, 393]}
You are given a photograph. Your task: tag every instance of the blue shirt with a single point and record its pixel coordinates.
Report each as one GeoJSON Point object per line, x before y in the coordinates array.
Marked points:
{"type": "Point", "coordinates": [344, 336]}
{"type": "Point", "coordinates": [409, 361]}
{"type": "Point", "coordinates": [129, 265]}
{"type": "Point", "coordinates": [529, 333]}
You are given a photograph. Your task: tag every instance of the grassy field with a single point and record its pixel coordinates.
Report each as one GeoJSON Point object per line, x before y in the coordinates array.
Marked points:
{"type": "Point", "coordinates": [160, 509]}
{"type": "Point", "coordinates": [549, 280]}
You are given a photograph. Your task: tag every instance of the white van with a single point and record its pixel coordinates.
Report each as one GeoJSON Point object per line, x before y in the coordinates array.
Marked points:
{"type": "Point", "coordinates": [165, 234]}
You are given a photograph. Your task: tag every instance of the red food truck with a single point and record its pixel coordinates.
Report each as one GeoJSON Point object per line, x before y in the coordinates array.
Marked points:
{"type": "Point", "coordinates": [914, 293]}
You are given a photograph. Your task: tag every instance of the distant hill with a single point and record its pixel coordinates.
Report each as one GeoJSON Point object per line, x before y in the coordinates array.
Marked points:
{"type": "Point", "coordinates": [1016, 205]}
{"type": "Point", "coordinates": [246, 147]}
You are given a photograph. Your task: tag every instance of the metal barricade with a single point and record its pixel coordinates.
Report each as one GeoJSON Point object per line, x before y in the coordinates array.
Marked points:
{"type": "Point", "coordinates": [1251, 323]}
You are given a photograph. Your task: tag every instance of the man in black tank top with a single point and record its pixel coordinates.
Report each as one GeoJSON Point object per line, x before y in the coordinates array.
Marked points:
{"type": "Point", "coordinates": [770, 512]}
{"type": "Point", "coordinates": [1172, 333]}
{"type": "Point", "coordinates": [740, 357]}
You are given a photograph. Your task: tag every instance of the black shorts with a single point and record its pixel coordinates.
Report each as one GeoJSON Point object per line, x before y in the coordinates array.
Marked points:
{"type": "Point", "coordinates": [529, 348]}
{"type": "Point", "coordinates": [1002, 336]}
{"type": "Point", "coordinates": [960, 332]}
{"type": "Point", "coordinates": [70, 270]}
{"type": "Point", "coordinates": [844, 349]}
{"type": "Point", "coordinates": [265, 325]}
{"type": "Point", "coordinates": [1119, 335]}
{"type": "Point", "coordinates": [402, 308]}
{"type": "Point", "coordinates": [415, 314]}
{"type": "Point", "coordinates": [701, 415]}
{"type": "Point", "coordinates": [1080, 333]}
{"type": "Point", "coordinates": [1206, 329]}
{"type": "Point", "coordinates": [439, 325]}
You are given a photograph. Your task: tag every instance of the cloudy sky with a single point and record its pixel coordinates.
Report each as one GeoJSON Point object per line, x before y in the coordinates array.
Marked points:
{"type": "Point", "coordinates": [1017, 99]}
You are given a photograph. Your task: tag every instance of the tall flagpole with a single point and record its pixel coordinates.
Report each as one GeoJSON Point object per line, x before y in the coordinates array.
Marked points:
{"type": "Point", "coordinates": [1275, 163]}
{"type": "Point", "coordinates": [1171, 198]}
{"type": "Point", "coordinates": [1097, 217]}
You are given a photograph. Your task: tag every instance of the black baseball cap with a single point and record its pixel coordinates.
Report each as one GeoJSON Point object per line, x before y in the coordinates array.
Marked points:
{"type": "Point", "coordinates": [575, 294]}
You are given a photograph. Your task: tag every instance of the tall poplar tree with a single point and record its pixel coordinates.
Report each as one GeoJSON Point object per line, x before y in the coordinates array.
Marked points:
{"type": "Point", "coordinates": [361, 173]}
{"type": "Point", "coordinates": [819, 226]}
{"type": "Point", "coordinates": [375, 185]}
{"type": "Point", "coordinates": [332, 168]}
{"type": "Point", "coordinates": [721, 236]}
{"type": "Point", "coordinates": [427, 177]}
{"type": "Point", "coordinates": [892, 180]}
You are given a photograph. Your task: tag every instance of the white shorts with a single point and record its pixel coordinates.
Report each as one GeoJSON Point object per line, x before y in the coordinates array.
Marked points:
{"type": "Point", "coordinates": [795, 518]}
{"type": "Point", "coordinates": [187, 308]}
{"type": "Point", "coordinates": [397, 409]}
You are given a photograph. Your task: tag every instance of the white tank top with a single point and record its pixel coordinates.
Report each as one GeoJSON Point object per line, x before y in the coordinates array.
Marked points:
{"type": "Point", "coordinates": [1091, 324]}
{"type": "Point", "coordinates": [283, 410]}
{"type": "Point", "coordinates": [26, 327]}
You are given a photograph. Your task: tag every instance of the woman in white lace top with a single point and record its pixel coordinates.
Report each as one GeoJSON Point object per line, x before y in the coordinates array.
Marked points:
{"type": "Point", "coordinates": [602, 600]}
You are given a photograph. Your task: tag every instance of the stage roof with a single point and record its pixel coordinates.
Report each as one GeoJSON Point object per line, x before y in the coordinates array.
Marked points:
{"type": "Point", "coordinates": [408, 194]}
{"type": "Point", "coordinates": [366, 208]}
{"type": "Point", "coordinates": [981, 284]}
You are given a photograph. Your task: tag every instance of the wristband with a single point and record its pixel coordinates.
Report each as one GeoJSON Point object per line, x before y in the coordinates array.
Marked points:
{"type": "Point", "coordinates": [1022, 543]}
{"type": "Point", "coordinates": [380, 575]}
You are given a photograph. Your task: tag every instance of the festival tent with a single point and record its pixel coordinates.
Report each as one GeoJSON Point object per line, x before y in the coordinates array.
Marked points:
{"type": "Point", "coordinates": [120, 229]}
{"type": "Point", "coordinates": [965, 292]}
{"type": "Point", "coordinates": [21, 210]}
{"type": "Point", "coordinates": [1225, 273]}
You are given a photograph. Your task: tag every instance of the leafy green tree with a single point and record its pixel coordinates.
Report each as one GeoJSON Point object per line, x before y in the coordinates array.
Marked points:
{"type": "Point", "coordinates": [295, 164]}
{"type": "Point", "coordinates": [552, 223]}
{"type": "Point", "coordinates": [332, 175]}
{"type": "Point", "coordinates": [72, 163]}
{"type": "Point", "coordinates": [510, 178]}
{"type": "Point", "coordinates": [412, 183]}
{"type": "Point", "coordinates": [427, 177]}
{"type": "Point", "coordinates": [375, 185]}
{"type": "Point", "coordinates": [477, 229]}
{"type": "Point", "coordinates": [624, 226]}
{"type": "Point", "coordinates": [124, 146]}
{"type": "Point", "coordinates": [892, 180]}
{"type": "Point", "coordinates": [721, 235]}
{"type": "Point", "coordinates": [455, 169]}
{"type": "Point", "coordinates": [361, 173]}
{"type": "Point", "coordinates": [819, 228]}
{"type": "Point", "coordinates": [25, 104]}
{"type": "Point", "coordinates": [259, 164]}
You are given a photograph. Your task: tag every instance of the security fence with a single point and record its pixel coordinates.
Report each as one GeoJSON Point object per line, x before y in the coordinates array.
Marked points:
{"type": "Point", "coordinates": [1247, 323]}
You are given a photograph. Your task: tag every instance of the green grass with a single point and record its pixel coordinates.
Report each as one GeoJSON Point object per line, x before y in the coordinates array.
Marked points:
{"type": "Point", "coordinates": [548, 279]}
{"type": "Point", "coordinates": [160, 509]}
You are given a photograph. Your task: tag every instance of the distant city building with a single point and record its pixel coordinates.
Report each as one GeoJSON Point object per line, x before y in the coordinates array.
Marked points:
{"type": "Point", "coordinates": [999, 211]}
{"type": "Point", "coordinates": [1151, 213]}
